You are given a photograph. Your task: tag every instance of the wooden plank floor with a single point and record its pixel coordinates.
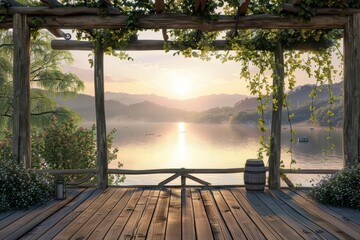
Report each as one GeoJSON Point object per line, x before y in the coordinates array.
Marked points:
{"type": "Point", "coordinates": [175, 213]}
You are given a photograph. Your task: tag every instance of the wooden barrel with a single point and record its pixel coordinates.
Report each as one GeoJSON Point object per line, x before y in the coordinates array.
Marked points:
{"type": "Point", "coordinates": [254, 175]}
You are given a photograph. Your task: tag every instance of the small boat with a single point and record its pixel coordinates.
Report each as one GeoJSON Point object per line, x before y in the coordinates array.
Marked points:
{"type": "Point", "coordinates": [303, 139]}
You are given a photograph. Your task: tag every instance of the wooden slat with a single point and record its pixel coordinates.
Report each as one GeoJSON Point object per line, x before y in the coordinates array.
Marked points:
{"type": "Point", "coordinates": [81, 219]}
{"type": "Point", "coordinates": [323, 223]}
{"type": "Point", "coordinates": [218, 226]}
{"type": "Point", "coordinates": [133, 222]}
{"type": "Point", "coordinates": [347, 213]}
{"type": "Point", "coordinates": [59, 226]}
{"type": "Point", "coordinates": [302, 229]}
{"type": "Point", "coordinates": [187, 213]}
{"type": "Point", "coordinates": [250, 229]}
{"type": "Point", "coordinates": [284, 230]}
{"type": "Point", "coordinates": [142, 229]}
{"type": "Point", "coordinates": [158, 223]}
{"type": "Point", "coordinates": [40, 229]}
{"type": "Point", "coordinates": [340, 217]}
{"type": "Point", "coordinates": [31, 220]}
{"type": "Point", "coordinates": [18, 214]}
{"type": "Point", "coordinates": [202, 224]}
{"type": "Point", "coordinates": [341, 229]}
{"type": "Point", "coordinates": [231, 223]}
{"type": "Point", "coordinates": [301, 216]}
{"type": "Point", "coordinates": [86, 230]}
{"type": "Point", "coordinates": [104, 226]}
{"type": "Point", "coordinates": [262, 225]}
{"type": "Point", "coordinates": [6, 214]}
{"type": "Point", "coordinates": [120, 222]}
{"type": "Point", "coordinates": [11, 216]}
{"type": "Point", "coordinates": [173, 229]}
{"type": "Point", "coordinates": [180, 213]}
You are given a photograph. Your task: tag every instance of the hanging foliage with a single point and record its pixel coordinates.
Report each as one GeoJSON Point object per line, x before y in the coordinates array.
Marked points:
{"type": "Point", "coordinates": [253, 48]}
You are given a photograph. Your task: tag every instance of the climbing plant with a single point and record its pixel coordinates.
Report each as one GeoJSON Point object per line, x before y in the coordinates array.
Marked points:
{"type": "Point", "coordinates": [253, 49]}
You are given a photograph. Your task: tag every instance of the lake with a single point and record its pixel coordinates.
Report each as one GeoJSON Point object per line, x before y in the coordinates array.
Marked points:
{"type": "Point", "coordinates": [189, 145]}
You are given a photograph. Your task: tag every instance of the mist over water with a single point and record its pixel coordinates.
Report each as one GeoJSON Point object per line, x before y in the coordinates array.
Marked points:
{"type": "Point", "coordinates": [187, 145]}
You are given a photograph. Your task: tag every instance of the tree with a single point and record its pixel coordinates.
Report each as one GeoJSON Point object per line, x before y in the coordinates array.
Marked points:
{"type": "Point", "coordinates": [46, 76]}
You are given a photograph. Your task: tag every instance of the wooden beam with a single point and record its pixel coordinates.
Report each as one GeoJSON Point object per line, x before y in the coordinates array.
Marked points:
{"type": "Point", "coordinates": [275, 136]}
{"type": "Point", "coordinates": [180, 170]}
{"type": "Point", "coordinates": [351, 126]}
{"type": "Point", "coordinates": [101, 158]}
{"type": "Point", "coordinates": [21, 88]}
{"type": "Point", "coordinates": [180, 21]}
{"type": "Point", "coordinates": [158, 45]}
{"type": "Point", "coordinates": [58, 33]}
{"type": "Point", "coordinates": [52, 4]}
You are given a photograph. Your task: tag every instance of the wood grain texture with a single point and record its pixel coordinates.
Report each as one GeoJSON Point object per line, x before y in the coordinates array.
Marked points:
{"type": "Point", "coordinates": [21, 91]}
{"type": "Point", "coordinates": [275, 132]}
{"type": "Point", "coordinates": [177, 21]}
{"type": "Point", "coordinates": [179, 213]}
{"type": "Point", "coordinates": [101, 157]}
{"type": "Point", "coordinates": [157, 45]}
{"type": "Point", "coordinates": [351, 126]}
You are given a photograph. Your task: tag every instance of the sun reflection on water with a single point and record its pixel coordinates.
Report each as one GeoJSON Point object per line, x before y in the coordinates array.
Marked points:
{"type": "Point", "coordinates": [180, 152]}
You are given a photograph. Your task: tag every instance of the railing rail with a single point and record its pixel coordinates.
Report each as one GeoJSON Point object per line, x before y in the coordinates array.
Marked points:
{"type": "Point", "coordinates": [184, 173]}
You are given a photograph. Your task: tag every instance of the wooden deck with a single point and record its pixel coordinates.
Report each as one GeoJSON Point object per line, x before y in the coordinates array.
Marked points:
{"type": "Point", "coordinates": [174, 213]}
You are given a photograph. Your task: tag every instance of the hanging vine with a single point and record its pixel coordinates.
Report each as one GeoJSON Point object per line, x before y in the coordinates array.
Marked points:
{"type": "Point", "coordinates": [252, 48]}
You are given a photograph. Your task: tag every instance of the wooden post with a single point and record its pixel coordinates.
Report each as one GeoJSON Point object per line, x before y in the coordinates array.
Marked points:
{"type": "Point", "coordinates": [101, 158]}
{"type": "Point", "coordinates": [275, 137]}
{"type": "Point", "coordinates": [21, 101]}
{"type": "Point", "coordinates": [351, 126]}
{"type": "Point", "coordinates": [183, 178]}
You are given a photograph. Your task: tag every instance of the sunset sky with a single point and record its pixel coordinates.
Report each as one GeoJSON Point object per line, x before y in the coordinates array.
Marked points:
{"type": "Point", "coordinates": [160, 73]}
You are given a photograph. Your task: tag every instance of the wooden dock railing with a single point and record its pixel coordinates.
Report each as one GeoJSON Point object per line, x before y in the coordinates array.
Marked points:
{"type": "Point", "coordinates": [183, 173]}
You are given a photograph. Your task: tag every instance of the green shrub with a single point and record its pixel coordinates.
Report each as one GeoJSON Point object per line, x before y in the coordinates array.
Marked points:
{"type": "Point", "coordinates": [64, 145]}
{"type": "Point", "coordinates": [341, 189]}
{"type": "Point", "coordinates": [21, 188]}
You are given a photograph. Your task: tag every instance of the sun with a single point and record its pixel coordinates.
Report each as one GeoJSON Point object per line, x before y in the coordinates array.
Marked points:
{"type": "Point", "coordinates": [181, 87]}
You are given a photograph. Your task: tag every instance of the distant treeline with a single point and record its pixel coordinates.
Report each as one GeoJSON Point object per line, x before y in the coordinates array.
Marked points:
{"type": "Point", "coordinates": [245, 111]}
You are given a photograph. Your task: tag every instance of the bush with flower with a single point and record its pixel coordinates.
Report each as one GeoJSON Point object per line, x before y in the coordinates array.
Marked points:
{"type": "Point", "coordinates": [20, 187]}
{"type": "Point", "coordinates": [341, 189]}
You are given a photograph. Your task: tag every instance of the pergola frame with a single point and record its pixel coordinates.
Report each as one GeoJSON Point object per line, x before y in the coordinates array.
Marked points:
{"type": "Point", "coordinates": [56, 17]}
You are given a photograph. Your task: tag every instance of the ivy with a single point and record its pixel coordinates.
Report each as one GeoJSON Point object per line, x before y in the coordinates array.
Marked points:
{"type": "Point", "coordinates": [308, 7]}
{"type": "Point", "coordinates": [253, 48]}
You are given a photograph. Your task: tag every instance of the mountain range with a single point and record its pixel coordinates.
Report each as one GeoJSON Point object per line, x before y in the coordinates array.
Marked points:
{"type": "Point", "coordinates": [207, 109]}
{"type": "Point", "coordinates": [147, 107]}
{"type": "Point", "coordinates": [193, 104]}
